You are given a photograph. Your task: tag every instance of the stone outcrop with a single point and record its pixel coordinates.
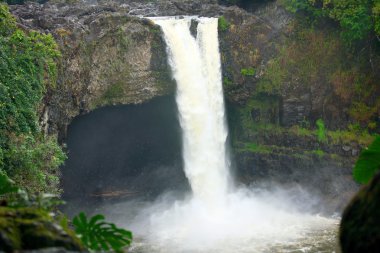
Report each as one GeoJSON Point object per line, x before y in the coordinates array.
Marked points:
{"type": "Point", "coordinates": [359, 229]}
{"type": "Point", "coordinates": [322, 169]}
{"type": "Point", "coordinates": [249, 42]}
{"type": "Point", "coordinates": [108, 57]}
{"type": "Point", "coordinates": [30, 228]}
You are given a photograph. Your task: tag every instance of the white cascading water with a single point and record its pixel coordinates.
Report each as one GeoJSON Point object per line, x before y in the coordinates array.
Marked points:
{"type": "Point", "coordinates": [197, 70]}
{"type": "Point", "coordinates": [216, 218]}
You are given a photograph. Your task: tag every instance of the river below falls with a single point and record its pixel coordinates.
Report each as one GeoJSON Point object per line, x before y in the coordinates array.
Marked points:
{"type": "Point", "coordinates": [318, 241]}
{"type": "Point", "coordinates": [172, 226]}
{"type": "Point", "coordinates": [321, 240]}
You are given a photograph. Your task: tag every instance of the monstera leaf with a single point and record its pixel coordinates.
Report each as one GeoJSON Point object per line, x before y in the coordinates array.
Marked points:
{"type": "Point", "coordinates": [368, 163]}
{"type": "Point", "coordinates": [6, 184]}
{"type": "Point", "coordinates": [96, 234]}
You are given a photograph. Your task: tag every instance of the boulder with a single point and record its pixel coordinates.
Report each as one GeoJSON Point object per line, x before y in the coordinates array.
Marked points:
{"type": "Point", "coordinates": [30, 228]}
{"type": "Point", "coordinates": [360, 225]}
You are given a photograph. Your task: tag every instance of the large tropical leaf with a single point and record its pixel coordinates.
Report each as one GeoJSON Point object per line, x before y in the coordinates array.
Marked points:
{"type": "Point", "coordinates": [96, 234]}
{"type": "Point", "coordinates": [368, 163]}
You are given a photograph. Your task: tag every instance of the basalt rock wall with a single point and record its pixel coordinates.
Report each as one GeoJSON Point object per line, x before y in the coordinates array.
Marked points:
{"type": "Point", "coordinates": [110, 55]}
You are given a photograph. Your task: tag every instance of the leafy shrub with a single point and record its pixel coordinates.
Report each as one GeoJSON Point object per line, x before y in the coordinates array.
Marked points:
{"type": "Point", "coordinates": [6, 184]}
{"type": "Point", "coordinates": [27, 69]}
{"type": "Point", "coordinates": [223, 24]}
{"type": "Point", "coordinates": [248, 72]}
{"type": "Point", "coordinates": [368, 163]}
{"type": "Point", "coordinates": [96, 234]}
{"type": "Point", "coordinates": [357, 18]}
{"type": "Point", "coordinates": [321, 130]}
{"type": "Point", "coordinates": [33, 162]}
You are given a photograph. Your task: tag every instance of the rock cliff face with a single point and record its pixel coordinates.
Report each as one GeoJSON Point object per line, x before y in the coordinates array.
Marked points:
{"type": "Point", "coordinates": [108, 58]}
{"type": "Point", "coordinates": [111, 56]}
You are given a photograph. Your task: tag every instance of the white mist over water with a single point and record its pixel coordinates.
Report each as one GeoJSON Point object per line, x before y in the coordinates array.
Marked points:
{"type": "Point", "coordinates": [216, 217]}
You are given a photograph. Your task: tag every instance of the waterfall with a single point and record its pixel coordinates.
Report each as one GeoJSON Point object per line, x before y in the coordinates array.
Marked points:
{"type": "Point", "coordinates": [215, 218]}
{"type": "Point", "coordinates": [196, 67]}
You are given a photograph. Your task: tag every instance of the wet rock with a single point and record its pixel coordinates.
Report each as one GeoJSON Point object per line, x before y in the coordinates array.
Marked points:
{"type": "Point", "coordinates": [248, 43]}
{"type": "Point", "coordinates": [193, 28]}
{"type": "Point", "coordinates": [360, 225]}
{"type": "Point", "coordinates": [50, 250]}
{"type": "Point", "coordinates": [346, 148]}
{"type": "Point", "coordinates": [30, 228]}
{"type": "Point", "coordinates": [295, 110]}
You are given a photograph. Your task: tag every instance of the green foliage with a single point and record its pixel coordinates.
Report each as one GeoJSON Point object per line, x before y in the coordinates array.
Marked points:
{"type": "Point", "coordinates": [248, 72]}
{"type": "Point", "coordinates": [223, 24]}
{"type": "Point", "coordinates": [96, 234]}
{"type": "Point", "coordinates": [376, 16]}
{"type": "Point", "coordinates": [320, 153]}
{"type": "Point", "coordinates": [27, 66]}
{"type": "Point", "coordinates": [300, 131]}
{"type": "Point", "coordinates": [357, 18]}
{"type": "Point", "coordinates": [7, 21]}
{"type": "Point", "coordinates": [27, 69]}
{"type": "Point", "coordinates": [348, 136]}
{"type": "Point", "coordinates": [313, 58]}
{"type": "Point", "coordinates": [227, 83]}
{"type": "Point", "coordinates": [321, 130]}
{"type": "Point", "coordinates": [6, 184]}
{"type": "Point", "coordinates": [273, 78]}
{"type": "Point", "coordinates": [256, 148]}
{"type": "Point", "coordinates": [42, 201]}
{"type": "Point", "coordinates": [33, 162]}
{"type": "Point", "coordinates": [368, 163]}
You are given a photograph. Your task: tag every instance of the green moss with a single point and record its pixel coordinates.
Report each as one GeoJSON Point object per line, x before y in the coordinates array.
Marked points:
{"type": "Point", "coordinates": [223, 24]}
{"type": "Point", "coordinates": [248, 71]}
{"type": "Point", "coordinates": [318, 152]}
{"type": "Point", "coordinates": [32, 228]}
{"type": "Point", "coordinates": [256, 148]}
{"type": "Point", "coordinates": [301, 131]}
{"type": "Point", "coordinates": [122, 38]}
{"type": "Point", "coordinates": [257, 113]}
{"type": "Point", "coordinates": [227, 83]}
{"type": "Point", "coordinates": [347, 136]}
{"type": "Point", "coordinates": [113, 94]}
{"type": "Point", "coordinates": [273, 79]}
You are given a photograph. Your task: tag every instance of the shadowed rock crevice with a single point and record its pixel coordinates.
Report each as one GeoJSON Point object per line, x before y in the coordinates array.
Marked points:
{"type": "Point", "coordinates": [124, 152]}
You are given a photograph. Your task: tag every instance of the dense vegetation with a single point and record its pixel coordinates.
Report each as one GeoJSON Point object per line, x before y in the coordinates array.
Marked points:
{"type": "Point", "coordinates": [335, 43]}
{"type": "Point", "coordinates": [27, 69]}
{"type": "Point", "coordinates": [358, 19]}
{"type": "Point", "coordinates": [29, 160]}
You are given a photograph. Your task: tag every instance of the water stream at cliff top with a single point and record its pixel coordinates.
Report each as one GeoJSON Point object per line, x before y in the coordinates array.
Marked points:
{"type": "Point", "coordinates": [218, 217]}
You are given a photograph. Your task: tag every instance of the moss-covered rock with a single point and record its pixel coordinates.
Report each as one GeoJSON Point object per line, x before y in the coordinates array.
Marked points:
{"type": "Point", "coordinates": [360, 225]}
{"type": "Point", "coordinates": [31, 228]}
{"type": "Point", "coordinates": [108, 58]}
